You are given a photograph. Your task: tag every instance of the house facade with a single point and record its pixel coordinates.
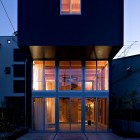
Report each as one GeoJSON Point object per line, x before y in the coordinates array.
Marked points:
{"type": "Point", "coordinates": [69, 45]}
{"type": "Point", "coordinates": [12, 81]}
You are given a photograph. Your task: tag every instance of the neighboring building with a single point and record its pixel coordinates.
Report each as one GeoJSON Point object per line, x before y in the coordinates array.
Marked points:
{"type": "Point", "coordinates": [125, 95]}
{"type": "Point", "coordinates": [69, 46]}
{"type": "Point", "coordinates": [126, 78]}
{"type": "Point", "coordinates": [12, 78]}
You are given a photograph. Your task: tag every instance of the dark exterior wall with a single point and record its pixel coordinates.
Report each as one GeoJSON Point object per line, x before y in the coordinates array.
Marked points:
{"type": "Point", "coordinates": [125, 95]}
{"type": "Point", "coordinates": [100, 23]}
{"type": "Point", "coordinates": [125, 82]}
{"type": "Point", "coordinates": [126, 76]}
{"type": "Point", "coordinates": [29, 93]}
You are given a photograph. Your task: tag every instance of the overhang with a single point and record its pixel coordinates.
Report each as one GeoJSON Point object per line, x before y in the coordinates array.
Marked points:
{"type": "Point", "coordinates": [72, 52]}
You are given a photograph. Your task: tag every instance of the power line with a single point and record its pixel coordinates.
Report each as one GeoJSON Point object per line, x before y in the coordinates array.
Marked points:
{"type": "Point", "coordinates": [126, 50]}
{"type": "Point", "coordinates": [7, 15]}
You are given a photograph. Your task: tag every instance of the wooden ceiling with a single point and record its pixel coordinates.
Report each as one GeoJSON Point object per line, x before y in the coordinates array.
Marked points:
{"type": "Point", "coordinates": [73, 52]}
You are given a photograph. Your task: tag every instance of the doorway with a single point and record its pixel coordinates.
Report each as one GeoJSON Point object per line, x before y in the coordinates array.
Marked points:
{"type": "Point", "coordinates": [70, 114]}
{"type": "Point", "coordinates": [74, 114]}
{"type": "Point", "coordinates": [96, 114]}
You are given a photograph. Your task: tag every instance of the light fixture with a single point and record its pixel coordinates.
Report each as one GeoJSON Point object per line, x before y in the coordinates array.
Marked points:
{"type": "Point", "coordinates": [129, 69]}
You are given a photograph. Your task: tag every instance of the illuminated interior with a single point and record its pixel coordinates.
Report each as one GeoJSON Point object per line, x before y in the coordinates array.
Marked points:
{"type": "Point", "coordinates": [69, 114]}
{"type": "Point", "coordinates": [102, 75]}
{"type": "Point", "coordinates": [43, 75]}
{"type": "Point", "coordinates": [96, 75]}
{"type": "Point", "coordinates": [93, 120]}
{"type": "Point", "coordinates": [70, 6]}
{"type": "Point", "coordinates": [44, 113]}
{"type": "Point", "coordinates": [70, 75]}
{"type": "Point", "coordinates": [90, 78]}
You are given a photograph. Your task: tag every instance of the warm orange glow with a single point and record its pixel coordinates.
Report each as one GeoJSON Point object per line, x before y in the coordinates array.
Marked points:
{"type": "Point", "coordinates": [92, 105]}
{"type": "Point", "coordinates": [70, 6]}
{"type": "Point", "coordinates": [88, 85]}
{"type": "Point", "coordinates": [65, 6]}
{"type": "Point", "coordinates": [43, 75]}
{"type": "Point", "coordinates": [75, 6]}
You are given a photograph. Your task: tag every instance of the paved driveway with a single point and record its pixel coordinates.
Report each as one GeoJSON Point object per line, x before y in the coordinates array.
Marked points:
{"type": "Point", "coordinates": [73, 136]}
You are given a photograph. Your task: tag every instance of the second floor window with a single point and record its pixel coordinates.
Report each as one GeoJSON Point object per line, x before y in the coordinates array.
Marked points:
{"type": "Point", "coordinates": [70, 6]}
{"type": "Point", "coordinates": [44, 75]}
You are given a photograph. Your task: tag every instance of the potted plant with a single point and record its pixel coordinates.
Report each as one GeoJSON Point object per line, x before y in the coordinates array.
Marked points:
{"type": "Point", "coordinates": [89, 109]}
{"type": "Point", "coordinates": [89, 112]}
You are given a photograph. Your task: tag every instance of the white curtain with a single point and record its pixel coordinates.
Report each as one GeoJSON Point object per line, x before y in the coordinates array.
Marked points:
{"type": "Point", "coordinates": [44, 113]}
{"type": "Point", "coordinates": [38, 77]}
{"type": "Point", "coordinates": [49, 112]}
{"type": "Point", "coordinates": [38, 113]}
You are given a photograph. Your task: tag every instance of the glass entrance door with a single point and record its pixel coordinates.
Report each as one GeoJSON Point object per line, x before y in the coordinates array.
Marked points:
{"type": "Point", "coordinates": [69, 114]}
{"type": "Point", "coordinates": [90, 114]}
{"type": "Point", "coordinates": [96, 114]}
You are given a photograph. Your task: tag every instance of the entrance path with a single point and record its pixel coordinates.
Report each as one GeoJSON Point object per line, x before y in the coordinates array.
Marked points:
{"type": "Point", "coordinates": [73, 136]}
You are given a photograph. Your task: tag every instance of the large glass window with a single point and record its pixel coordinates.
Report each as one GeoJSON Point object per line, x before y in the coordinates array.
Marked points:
{"type": "Point", "coordinates": [70, 75]}
{"type": "Point", "coordinates": [90, 75]}
{"type": "Point", "coordinates": [50, 75]}
{"type": "Point", "coordinates": [102, 75]}
{"type": "Point", "coordinates": [102, 114]}
{"type": "Point", "coordinates": [70, 6]}
{"type": "Point", "coordinates": [96, 114]}
{"type": "Point", "coordinates": [44, 75]}
{"type": "Point", "coordinates": [44, 114]}
{"type": "Point", "coordinates": [90, 114]}
{"type": "Point", "coordinates": [69, 114]}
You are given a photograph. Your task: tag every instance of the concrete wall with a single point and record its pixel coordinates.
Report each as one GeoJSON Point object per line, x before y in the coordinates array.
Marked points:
{"type": "Point", "coordinates": [126, 75]}
{"type": "Point", "coordinates": [7, 44]}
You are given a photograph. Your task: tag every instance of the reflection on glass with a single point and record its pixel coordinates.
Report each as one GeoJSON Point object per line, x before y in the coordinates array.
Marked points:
{"type": "Point", "coordinates": [70, 73]}
{"type": "Point", "coordinates": [44, 114]}
{"type": "Point", "coordinates": [102, 114]}
{"type": "Point", "coordinates": [43, 75]}
{"type": "Point", "coordinates": [90, 83]}
{"type": "Point", "coordinates": [70, 114]}
{"type": "Point", "coordinates": [102, 71]}
{"type": "Point", "coordinates": [90, 114]}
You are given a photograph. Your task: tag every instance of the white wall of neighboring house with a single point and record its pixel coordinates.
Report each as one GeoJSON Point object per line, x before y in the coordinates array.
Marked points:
{"type": "Point", "coordinates": [7, 45]}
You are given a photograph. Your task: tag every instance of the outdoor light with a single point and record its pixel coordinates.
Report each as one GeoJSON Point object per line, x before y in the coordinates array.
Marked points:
{"type": "Point", "coordinates": [129, 69]}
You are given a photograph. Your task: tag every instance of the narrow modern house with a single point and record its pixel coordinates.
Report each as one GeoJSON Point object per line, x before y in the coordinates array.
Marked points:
{"type": "Point", "coordinates": [69, 46]}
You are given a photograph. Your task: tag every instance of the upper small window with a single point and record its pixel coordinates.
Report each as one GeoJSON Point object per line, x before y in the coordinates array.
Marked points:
{"type": "Point", "coordinates": [70, 6]}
